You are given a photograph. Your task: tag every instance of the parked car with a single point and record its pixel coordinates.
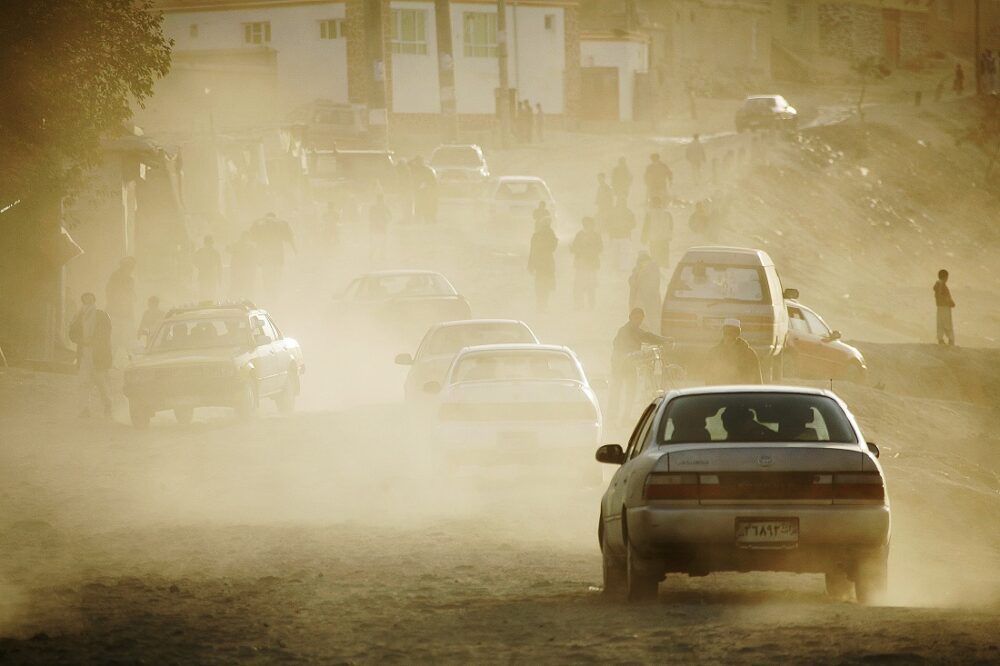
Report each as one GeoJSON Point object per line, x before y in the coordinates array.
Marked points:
{"type": "Point", "coordinates": [520, 404]}
{"type": "Point", "coordinates": [402, 303]}
{"type": "Point", "coordinates": [336, 175]}
{"type": "Point", "coordinates": [445, 340]}
{"type": "Point", "coordinates": [815, 351]}
{"type": "Point", "coordinates": [745, 478]}
{"type": "Point", "coordinates": [462, 171]}
{"type": "Point", "coordinates": [225, 355]}
{"type": "Point", "coordinates": [515, 198]}
{"type": "Point", "coordinates": [766, 112]}
{"type": "Point", "coordinates": [713, 283]}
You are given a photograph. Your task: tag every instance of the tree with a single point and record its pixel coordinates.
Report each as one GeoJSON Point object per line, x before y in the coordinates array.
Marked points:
{"type": "Point", "coordinates": [71, 71]}
{"type": "Point", "coordinates": [870, 69]}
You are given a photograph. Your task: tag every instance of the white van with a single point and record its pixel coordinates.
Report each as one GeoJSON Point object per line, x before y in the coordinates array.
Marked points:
{"type": "Point", "coordinates": [714, 283]}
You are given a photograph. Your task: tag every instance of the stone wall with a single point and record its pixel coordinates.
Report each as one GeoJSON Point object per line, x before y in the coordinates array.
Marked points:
{"type": "Point", "coordinates": [852, 32]}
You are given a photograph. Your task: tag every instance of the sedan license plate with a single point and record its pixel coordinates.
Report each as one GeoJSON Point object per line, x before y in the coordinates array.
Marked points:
{"type": "Point", "coordinates": [767, 532]}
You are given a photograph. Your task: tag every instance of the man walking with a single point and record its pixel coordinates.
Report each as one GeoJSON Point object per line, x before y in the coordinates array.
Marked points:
{"type": "Point", "coordinates": [945, 304]}
{"type": "Point", "coordinates": [586, 248]}
{"type": "Point", "coordinates": [621, 180]}
{"type": "Point", "coordinates": [605, 201]}
{"type": "Point", "coordinates": [733, 360]}
{"type": "Point", "coordinates": [91, 332]}
{"type": "Point", "coordinates": [695, 154]}
{"type": "Point", "coordinates": [627, 342]}
{"type": "Point", "coordinates": [151, 320]}
{"type": "Point", "coordinates": [658, 176]}
{"type": "Point", "coordinates": [208, 263]}
{"type": "Point", "coordinates": [542, 262]}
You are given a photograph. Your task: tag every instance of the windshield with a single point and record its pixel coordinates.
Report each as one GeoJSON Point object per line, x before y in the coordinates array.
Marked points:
{"type": "Point", "coordinates": [456, 157]}
{"type": "Point", "coordinates": [719, 282]}
{"type": "Point", "coordinates": [202, 334]}
{"type": "Point", "coordinates": [755, 417]}
{"type": "Point", "coordinates": [520, 191]}
{"type": "Point", "coordinates": [404, 286]}
{"type": "Point", "coordinates": [520, 365]}
{"type": "Point", "coordinates": [761, 104]}
{"type": "Point", "coordinates": [452, 339]}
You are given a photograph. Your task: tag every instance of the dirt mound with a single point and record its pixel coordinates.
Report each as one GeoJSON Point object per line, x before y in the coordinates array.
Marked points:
{"type": "Point", "coordinates": [935, 371]}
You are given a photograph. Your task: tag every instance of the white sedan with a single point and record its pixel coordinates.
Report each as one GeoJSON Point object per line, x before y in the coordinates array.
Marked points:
{"type": "Point", "coordinates": [745, 478]}
{"type": "Point", "coordinates": [516, 197]}
{"type": "Point", "coordinates": [518, 403]}
{"type": "Point", "coordinates": [443, 341]}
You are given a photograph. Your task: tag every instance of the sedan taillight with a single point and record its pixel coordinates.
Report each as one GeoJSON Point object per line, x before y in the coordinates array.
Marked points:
{"type": "Point", "coordinates": [665, 486]}
{"type": "Point", "coordinates": [854, 488]}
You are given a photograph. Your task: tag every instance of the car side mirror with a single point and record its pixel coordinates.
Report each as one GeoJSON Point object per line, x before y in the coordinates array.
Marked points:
{"type": "Point", "coordinates": [611, 454]}
{"type": "Point", "coordinates": [791, 294]}
{"type": "Point", "coordinates": [834, 336]}
{"type": "Point", "coordinates": [404, 359]}
{"type": "Point", "coordinates": [432, 387]}
{"type": "Point", "coordinates": [260, 340]}
{"type": "Point", "coordinates": [873, 448]}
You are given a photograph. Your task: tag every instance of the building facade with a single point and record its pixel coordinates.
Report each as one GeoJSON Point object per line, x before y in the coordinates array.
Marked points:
{"type": "Point", "coordinates": [305, 50]}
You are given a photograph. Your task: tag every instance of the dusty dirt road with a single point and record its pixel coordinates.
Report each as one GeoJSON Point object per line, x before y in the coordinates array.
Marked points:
{"type": "Point", "coordinates": [315, 538]}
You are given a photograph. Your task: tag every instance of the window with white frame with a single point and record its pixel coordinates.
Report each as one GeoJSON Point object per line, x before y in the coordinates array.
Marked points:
{"type": "Point", "coordinates": [409, 31]}
{"type": "Point", "coordinates": [479, 30]}
{"type": "Point", "coordinates": [331, 29]}
{"type": "Point", "coordinates": [257, 33]}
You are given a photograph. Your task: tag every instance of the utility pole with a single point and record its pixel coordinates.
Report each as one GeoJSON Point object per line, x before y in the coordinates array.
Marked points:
{"type": "Point", "coordinates": [446, 70]}
{"type": "Point", "coordinates": [378, 115]}
{"type": "Point", "coordinates": [975, 60]}
{"type": "Point", "coordinates": [503, 93]}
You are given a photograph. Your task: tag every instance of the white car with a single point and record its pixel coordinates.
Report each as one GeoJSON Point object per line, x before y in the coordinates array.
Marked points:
{"type": "Point", "coordinates": [443, 341]}
{"type": "Point", "coordinates": [517, 403]}
{"type": "Point", "coordinates": [745, 478]}
{"type": "Point", "coordinates": [515, 198]}
{"type": "Point", "coordinates": [462, 171]}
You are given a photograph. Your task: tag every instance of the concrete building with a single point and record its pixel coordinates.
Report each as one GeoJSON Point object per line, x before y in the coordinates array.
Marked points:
{"type": "Point", "coordinates": [286, 53]}
{"type": "Point", "coordinates": [613, 65]}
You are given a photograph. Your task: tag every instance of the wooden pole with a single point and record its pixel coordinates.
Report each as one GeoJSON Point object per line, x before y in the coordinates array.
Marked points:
{"type": "Point", "coordinates": [446, 70]}
{"type": "Point", "coordinates": [504, 90]}
{"type": "Point", "coordinates": [378, 114]}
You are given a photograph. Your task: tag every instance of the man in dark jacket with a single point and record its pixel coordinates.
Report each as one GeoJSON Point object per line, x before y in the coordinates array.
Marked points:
{"type": "Point", "coordinates": [586, 248]}
{"type": "Point", "coordinates": [733, 360]}
{"type": "Point", "coordinates": [945, 304]}
{"type": "Point", "coordinates": [628, 341]}
{"type": "Point", "coordinates": [91, 332]}
{"type": "Point", "coordinates": [658, 176]}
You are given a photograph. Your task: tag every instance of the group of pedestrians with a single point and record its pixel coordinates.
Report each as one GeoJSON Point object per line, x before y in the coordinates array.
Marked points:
{"type": "Point", "coordinates": [529, 123]}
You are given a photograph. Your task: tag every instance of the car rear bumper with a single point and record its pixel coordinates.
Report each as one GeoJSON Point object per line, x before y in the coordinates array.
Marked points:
{"type": "Point", "coordinates": [703, 538]}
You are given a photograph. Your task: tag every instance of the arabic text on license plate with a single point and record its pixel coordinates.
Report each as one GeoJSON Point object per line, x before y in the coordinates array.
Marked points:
{"type": "Point", "coordinates": [767, 531]}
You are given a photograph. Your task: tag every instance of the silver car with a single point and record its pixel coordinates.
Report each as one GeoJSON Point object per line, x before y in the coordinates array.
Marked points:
{"type": "Point", "coordinates": [745, 478]}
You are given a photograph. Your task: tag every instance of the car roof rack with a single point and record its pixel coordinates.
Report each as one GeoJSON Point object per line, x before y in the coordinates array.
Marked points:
{"type": "Point", "coordinates": [246, 305]}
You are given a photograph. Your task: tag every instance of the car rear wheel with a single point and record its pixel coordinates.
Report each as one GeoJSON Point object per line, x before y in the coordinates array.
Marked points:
{"type": "Point", "coordinates": [838, 585]}
{"type": "Point", "coordinates": [614, 574]}
{"type": "Point", "coordinates": [641, 580]}
{"type": "Point", "coordinates": [184, 415]}
{"type": "Point", "coordinates": [249, 401]}
{"type": "Point", "coordinates": [871, 578]}
{"type": "Point", "coordinates": [139, 414]}
{"type": "Point", "coordinates": [286, 399]}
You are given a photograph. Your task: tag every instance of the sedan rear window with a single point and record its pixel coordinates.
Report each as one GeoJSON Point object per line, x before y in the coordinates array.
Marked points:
{"type": "Point", "coordinates": [524, 191]}
{"type": "Point", "coordinates": [754, 417]}
{"type": "Point", "coordinates": [404, 285]}
{"type": "Point", "coordinates": [452, 339]}
{"type": "Point", "coordinates": [456, 157]}
{"type": "Point", "coordinates": [719, 282]}
{"type": "Point", "coordinates": [515, 366]}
